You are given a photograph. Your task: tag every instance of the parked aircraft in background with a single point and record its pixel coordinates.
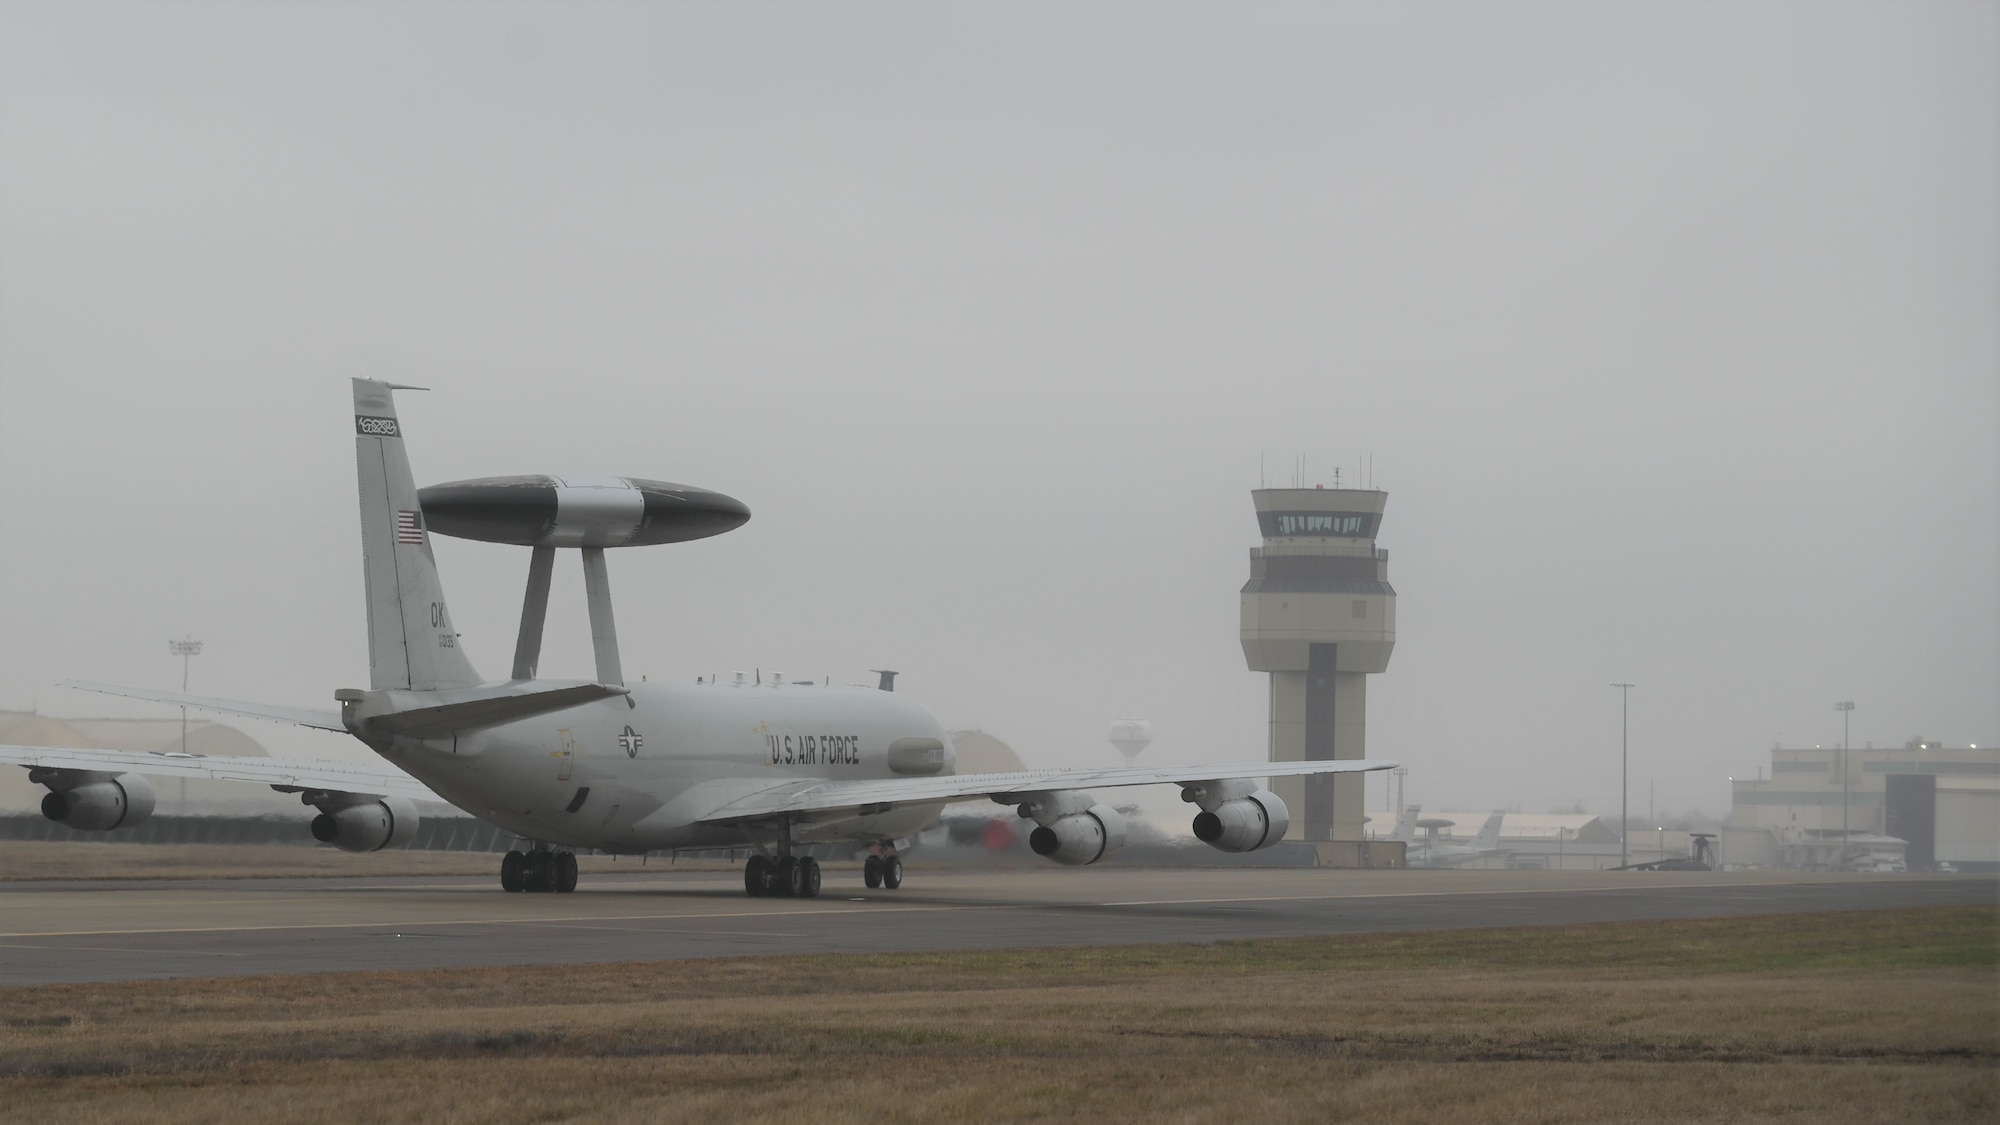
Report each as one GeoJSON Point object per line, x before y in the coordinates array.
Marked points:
{"type": "Point", "coordinates": [610, 766]}
{"type": "Point", "coordinates": [1406, 825]}
{"type": "Point", "coordinates": [1485, 843]}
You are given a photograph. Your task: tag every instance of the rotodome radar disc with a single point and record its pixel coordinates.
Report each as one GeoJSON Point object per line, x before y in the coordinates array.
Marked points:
{"type": "Point", "coordinates": [545, 511]}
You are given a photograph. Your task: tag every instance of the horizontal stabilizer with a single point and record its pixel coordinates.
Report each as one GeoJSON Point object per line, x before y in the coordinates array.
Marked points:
{"type": "Point", "coordinates": [298, 716]}
{"type": "Point", "coordinates": [491, 710]}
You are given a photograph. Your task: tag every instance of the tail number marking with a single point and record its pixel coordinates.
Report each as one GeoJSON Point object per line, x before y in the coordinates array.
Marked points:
{"type": "Point", "coordinates": [440, 621]}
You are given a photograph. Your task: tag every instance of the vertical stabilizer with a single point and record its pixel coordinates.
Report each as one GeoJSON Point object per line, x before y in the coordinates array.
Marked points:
{"type": "Point", "coordinates": [411, 642]}
{"type": "Point", "coordinates": [1489, 834]}
{"type": "Point", "coordinates": [1406, 824]}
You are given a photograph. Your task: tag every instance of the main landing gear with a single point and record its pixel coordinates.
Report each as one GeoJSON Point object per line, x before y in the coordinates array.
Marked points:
{"type": "Point", "coordinates": [785, 877]}
{"type": "Point", "coordinates": [538, 870]}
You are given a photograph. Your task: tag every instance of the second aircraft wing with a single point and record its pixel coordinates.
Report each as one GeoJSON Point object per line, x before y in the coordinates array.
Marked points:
{"type": "Point", "coordinates": [381, 780]}
{"type": "Point", "coordinates": [816, 796]}
{"type": "Point", "coordinates": [312, 717]}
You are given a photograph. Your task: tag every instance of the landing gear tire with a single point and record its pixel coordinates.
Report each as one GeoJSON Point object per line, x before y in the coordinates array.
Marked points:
{"type": "Point", "coordinates": [871, 872]}
{"type": "Point", "coordinates": [892, 873]}
{"type": "Point", "coordinates": [791, 878]}
{"type": "Point", "coordinates": [757, 877]}
{"type": "Point", "coordinates": [539, 872]}
{"type": "Point", "coordinates": [565, 873]}
{"type": "Point", "coordinates": [511, 875]}
{"type": "Point", "coordinates": [809, 878]}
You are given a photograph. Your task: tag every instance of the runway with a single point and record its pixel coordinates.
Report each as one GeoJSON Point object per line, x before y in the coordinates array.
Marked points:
{"type": "Point", "coordinates": [101, 931]}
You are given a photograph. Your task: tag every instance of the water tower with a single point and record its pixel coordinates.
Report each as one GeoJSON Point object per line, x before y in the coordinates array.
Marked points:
{"type": "Point", "coordinates": [1131, 736]}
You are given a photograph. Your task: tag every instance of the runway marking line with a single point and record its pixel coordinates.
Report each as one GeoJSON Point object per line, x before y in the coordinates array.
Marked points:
{"type": "Point", "coordinates": [1450, 894]}
{"type": "Point", "coordinates": [115, 949]}
{"type": "Point", "coordinates": [376, 924]}
{"type": "Point", "coordinates": [653, 930]}
{"type": "Point", "coordinates": [631, 884]}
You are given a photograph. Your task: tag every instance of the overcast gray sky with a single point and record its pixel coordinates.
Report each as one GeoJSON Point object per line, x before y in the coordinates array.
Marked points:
{"type": "Point", "coordinates": [1670, 329]}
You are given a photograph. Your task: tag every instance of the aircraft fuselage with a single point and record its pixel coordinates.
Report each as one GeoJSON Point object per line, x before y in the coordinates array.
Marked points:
{"type": "Point", "coordinates": [635, 773]}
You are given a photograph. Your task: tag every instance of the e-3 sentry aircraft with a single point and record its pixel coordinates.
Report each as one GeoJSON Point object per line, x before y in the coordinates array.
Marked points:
{"type": "Point", "coordinates": [609, 766]}
{"type": "Point", "coordinates": [1484, 843]}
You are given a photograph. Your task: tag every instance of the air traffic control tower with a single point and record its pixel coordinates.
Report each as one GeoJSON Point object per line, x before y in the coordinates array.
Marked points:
{"type": "Point", "coordinates": [1319, 615]}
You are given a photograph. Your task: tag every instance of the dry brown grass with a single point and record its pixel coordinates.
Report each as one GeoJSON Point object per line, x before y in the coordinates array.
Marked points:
{"type": "Point", "coordinates": [1863, 1017]}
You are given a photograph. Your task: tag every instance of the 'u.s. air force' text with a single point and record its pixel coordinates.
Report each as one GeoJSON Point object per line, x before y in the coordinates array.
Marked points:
{"type": "Point", "coordinates": [814, 749]}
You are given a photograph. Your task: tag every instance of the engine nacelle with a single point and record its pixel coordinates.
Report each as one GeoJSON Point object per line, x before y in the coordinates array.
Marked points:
{"type": "Point", "coordinates": [1080, 838]}
{"type": "Point", "coordinates": [1245, 824]}
{"type": "Point", "coordinates": [369, 824]}
{"type": "Point", "coordinates": [107, 801]}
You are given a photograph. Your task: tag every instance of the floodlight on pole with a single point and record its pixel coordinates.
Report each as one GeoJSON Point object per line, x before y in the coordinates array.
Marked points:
{"type": "Point", "coordinates": [1846, 708]}
{"type": "Point", "coordinates": [1624, 769]}
{"type": "Point", "coordinates": [184, 648]}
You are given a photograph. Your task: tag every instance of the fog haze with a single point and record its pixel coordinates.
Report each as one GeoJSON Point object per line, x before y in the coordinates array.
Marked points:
{"type": "Point", "coordinates": [1669, 329]}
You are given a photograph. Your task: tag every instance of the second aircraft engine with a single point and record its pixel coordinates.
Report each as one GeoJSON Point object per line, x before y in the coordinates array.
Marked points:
{"type": "Point", "coordinates": [103, 802]}
{"type": "Point", "coordinates": [1074, 829]}
{"type": "Point", "coordinates": [368, 824]}
{"type": "Point", "coordinates": [1255, 820]}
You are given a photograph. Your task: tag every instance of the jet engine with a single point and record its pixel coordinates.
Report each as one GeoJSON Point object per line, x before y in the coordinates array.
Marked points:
{"type": "Point", "coordinates": [1236, 816]}
{"type": "Point", "coordinates": [364, 824]}
{"type": "Point", "coordinates": [1083, 838]}
{"type": "Point", "coordinates": [96, 802]}
{"type": "Point", "coordinates": [1074, 829]}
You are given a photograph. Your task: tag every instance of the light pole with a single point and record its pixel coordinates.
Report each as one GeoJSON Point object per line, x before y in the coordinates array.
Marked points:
{"type": "Point", "coordinates": [184, 649]}
{"type": "Point", "coordinates": [1624, 768]}
{"type": "Point", "coordinates": [1846, 708]}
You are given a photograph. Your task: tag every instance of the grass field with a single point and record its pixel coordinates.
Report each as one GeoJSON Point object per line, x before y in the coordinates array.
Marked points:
{"type": "Point", "coordinates": [1851, 1017]}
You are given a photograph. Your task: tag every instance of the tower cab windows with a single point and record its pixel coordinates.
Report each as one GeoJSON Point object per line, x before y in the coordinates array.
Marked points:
{"type": "Point", "coordinates": [1351, 525]}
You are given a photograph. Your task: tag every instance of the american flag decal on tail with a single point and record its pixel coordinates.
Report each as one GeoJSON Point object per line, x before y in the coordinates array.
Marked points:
{"type": "Point", "coordinates": [410, 527]}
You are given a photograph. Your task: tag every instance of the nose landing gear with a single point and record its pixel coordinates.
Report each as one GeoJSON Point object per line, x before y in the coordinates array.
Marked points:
{"type": "Point", "coordinates": [882, 869]}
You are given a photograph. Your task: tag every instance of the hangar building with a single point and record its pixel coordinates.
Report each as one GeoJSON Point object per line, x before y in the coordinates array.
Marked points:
{"type": "Point", "coordinates": [1927, 802]}
{"type": "Point", "coordinates": [1540, 841]}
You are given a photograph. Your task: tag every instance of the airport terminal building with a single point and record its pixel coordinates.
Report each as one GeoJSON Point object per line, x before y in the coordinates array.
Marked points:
{"type": "Point", "coordinates": [1923, 802]}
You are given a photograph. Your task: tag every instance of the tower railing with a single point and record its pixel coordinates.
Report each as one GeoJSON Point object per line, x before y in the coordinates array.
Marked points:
{"type": "Point", "coordinates": [1360, 552]}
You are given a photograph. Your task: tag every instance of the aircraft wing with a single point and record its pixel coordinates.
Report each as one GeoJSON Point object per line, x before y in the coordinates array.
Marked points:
{"type": "Point", "coordinates": [382, 780]}
{"type": "Point", "coordinates": [818, 796]}
{"type": "Point", "coordinates": [297, 716]}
